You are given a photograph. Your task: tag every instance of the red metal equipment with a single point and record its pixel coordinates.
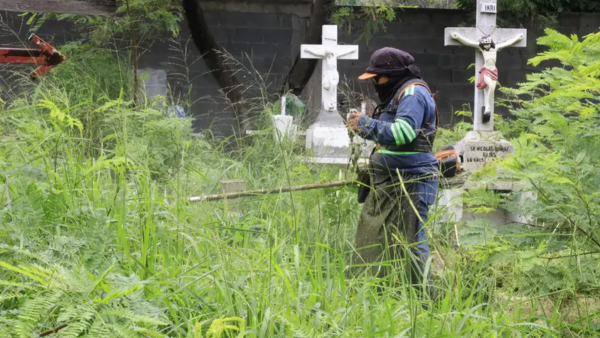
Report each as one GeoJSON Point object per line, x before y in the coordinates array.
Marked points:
{"type": "Point", "coordinates": [46, 57]}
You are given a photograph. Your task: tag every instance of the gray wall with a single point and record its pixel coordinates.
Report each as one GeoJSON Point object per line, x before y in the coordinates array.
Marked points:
{"type": "Point", "coordinates": [260, 42]}
{"type": "Point", "coordinates": [272, 40]}
{"type": "Point", "coordinates": [421, 33]}
{"type": "Point", "coordinates": [270, 36]}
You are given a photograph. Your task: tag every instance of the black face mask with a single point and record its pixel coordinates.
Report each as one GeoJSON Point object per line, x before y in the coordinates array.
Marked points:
{"type": "Point", "coordinates": [387, 90]}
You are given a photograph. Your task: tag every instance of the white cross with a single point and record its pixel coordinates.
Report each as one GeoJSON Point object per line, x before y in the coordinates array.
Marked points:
{"type": "Point", "coordinates": [486, 26]}
{"type": "Point", "coordinates": [329, 52]}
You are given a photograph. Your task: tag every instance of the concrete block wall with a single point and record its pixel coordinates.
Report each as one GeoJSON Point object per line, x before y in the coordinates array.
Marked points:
{"type": "Point", "coordinates": [269, 39]}
{"type": "Point", "coordinates": [260, 42]}
{"type": "Point", "coordinates": [420, 32]}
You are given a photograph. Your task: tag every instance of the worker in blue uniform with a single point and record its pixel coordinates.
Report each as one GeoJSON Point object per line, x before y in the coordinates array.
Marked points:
{"type": "Point", "coordinates": [403, 171]}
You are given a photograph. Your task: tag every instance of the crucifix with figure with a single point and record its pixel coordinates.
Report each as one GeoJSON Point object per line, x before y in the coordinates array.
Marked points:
{"type": "Point", "coordinates": [483, 145]}
{"type": "Point", "coordinates": [328, 136]}
{"type": "Point", "coordinates": [488, 40]}
{"type": "Point", "coordinates": [329, 52]}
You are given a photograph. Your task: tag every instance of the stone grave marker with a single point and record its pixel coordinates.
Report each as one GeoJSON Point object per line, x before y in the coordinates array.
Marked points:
{"type": "Point", "coordinates": [154, 84]}
{"type": "Point", "coordinates": [328, 136]}
{"type": "Point", "coordinates": [483, 144]}
{"type": "Point", "coordinates": [488, 40]}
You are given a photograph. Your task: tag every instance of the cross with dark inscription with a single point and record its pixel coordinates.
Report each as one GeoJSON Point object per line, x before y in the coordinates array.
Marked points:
{"type": "Point", "coordinates": [487, 39]}
{"type": "Point", "coordinates": [85, 7]}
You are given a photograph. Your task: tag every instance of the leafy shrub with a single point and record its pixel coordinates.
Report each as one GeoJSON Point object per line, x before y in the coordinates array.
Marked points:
{"type": "Point", "coordinates": [99, 239]}
{"type": "Point", "coordinates": [556, 134]}
{"type": "Point", "coordinates": [543, 10]}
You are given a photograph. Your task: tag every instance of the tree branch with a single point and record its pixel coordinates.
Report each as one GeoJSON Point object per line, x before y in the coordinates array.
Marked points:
{"type": "Point", "coordinates": [134, 53]}
{"type": "Point", "coordinates": [54, 329]}
{"type": "Point", "coordinates": [270, 191]}
{"type": "Point", "coordinates": [303, 69]}
{"type": "Point", "coordinates": [575, 255]}
{"type": "Point", "coordinates": [209, 49]}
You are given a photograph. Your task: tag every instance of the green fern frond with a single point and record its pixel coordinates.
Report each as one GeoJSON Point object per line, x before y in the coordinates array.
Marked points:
{"type": "Point", "coordinates": [24, 272]}
{"type": "Point", "coordinates": [99, 329]}
{"type": "Point", "coordinates": [75, 328]}
{"type": "Point", "coordinates": [138, 318]}
{"type": "Point", "coordinates": [565, 57]}
{"type": "Point", "coordinates": [556, 41]}
{"type": "Point", "coordinates": [27, 286]}
{"type": "Point", "coordinates": [592, 70]}
{"type": "Point", "coordinates": [7, 297]}
{"type": "Point", "coordinates": [33, 310]}
{"type": "Point", "coordinates": [71, 311]}
{"type": "Point", "coordinates": [124, 331]}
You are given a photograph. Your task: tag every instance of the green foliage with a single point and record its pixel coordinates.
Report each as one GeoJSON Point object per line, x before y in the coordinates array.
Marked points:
{"type": "Point", "coordinates": [98, 236]}
{"type": "Point", "coordinates": [98, 306]}
{"type": "Point", "coordinates": [556, 134]}
{"type": "Point", "coordinates": [398, 3]}
{"type": "Point", "coordinates": [148, 17]}
{"type": "Point", "coordinates": [543, 10]}
{"type": "Point", "coordinates": [448, 136]}
{"type": "Point", "coordinates": [153, 16]}
{"type": "Point", "coordinates": [369, 20]}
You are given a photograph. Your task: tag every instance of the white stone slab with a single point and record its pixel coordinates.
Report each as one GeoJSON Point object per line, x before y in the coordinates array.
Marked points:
{"type": "Point", "coordinates": [453, 210]}
{"type": "Point", "coordinates": [283, 127]}
{"type": "Point", "coordinates": [334, 161]}
{"type": "Point", "coordinates": [478, 148]}
{"type": "Point", "coordinates": [334, 142]}
{"type": "Point", "coordinates": [451, 201]}
{"type": "Point", "coordinates": [488, 7]}
{"type": "Point", "coordinates": [480, 153]}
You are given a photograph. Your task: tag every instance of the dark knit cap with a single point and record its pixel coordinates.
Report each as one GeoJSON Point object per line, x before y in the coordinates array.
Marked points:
{"type": "Point", "coordinates": [390, 62]}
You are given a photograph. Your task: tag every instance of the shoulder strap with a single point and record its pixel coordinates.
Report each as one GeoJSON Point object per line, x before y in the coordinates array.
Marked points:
{"type": "Point", "coordinates": [407, 85]}
{"type": "Point", "coordinates": [416, 82]}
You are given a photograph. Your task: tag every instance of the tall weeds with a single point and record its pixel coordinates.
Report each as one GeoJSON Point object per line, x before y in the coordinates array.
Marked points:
{"type": "Point", "coordinates": [98, 239]}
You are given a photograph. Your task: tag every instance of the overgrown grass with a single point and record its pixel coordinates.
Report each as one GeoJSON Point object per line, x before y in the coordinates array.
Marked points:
{"type": "Point", "coordinates": [98, 239]}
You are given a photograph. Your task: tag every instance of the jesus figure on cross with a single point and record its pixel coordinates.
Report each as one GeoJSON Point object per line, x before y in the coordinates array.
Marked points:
{"type": "Point", "coordinates": [331, 76]}
{"type": "Point", "coordinates": [488, 74]}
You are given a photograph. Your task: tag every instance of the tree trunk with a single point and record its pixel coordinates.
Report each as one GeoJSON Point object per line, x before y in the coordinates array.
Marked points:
{"type": "Point", "coordinates": [303, 69]}
{"type": "Point", "coordinates": [208, 47]}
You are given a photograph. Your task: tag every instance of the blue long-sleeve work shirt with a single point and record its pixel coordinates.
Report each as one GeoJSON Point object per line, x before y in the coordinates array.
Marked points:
{"type": "Point", "coordinates": [416, 108]}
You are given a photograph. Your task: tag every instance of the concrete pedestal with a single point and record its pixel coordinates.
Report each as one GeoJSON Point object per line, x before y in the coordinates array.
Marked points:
{"type": "Point", "coordinates": [476, 150]}
{"type": "Point", "coordinates": [453, 209]}
{"type": "Point", "coordinates": [329, 140]}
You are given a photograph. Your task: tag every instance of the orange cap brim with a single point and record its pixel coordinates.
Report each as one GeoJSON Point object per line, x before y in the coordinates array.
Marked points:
{"type": "Point", "coordinates": [366, 76]}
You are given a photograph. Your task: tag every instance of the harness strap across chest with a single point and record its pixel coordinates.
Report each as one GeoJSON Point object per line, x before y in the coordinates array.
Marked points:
{"type": "Point", "coordinates": [422, 143]}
